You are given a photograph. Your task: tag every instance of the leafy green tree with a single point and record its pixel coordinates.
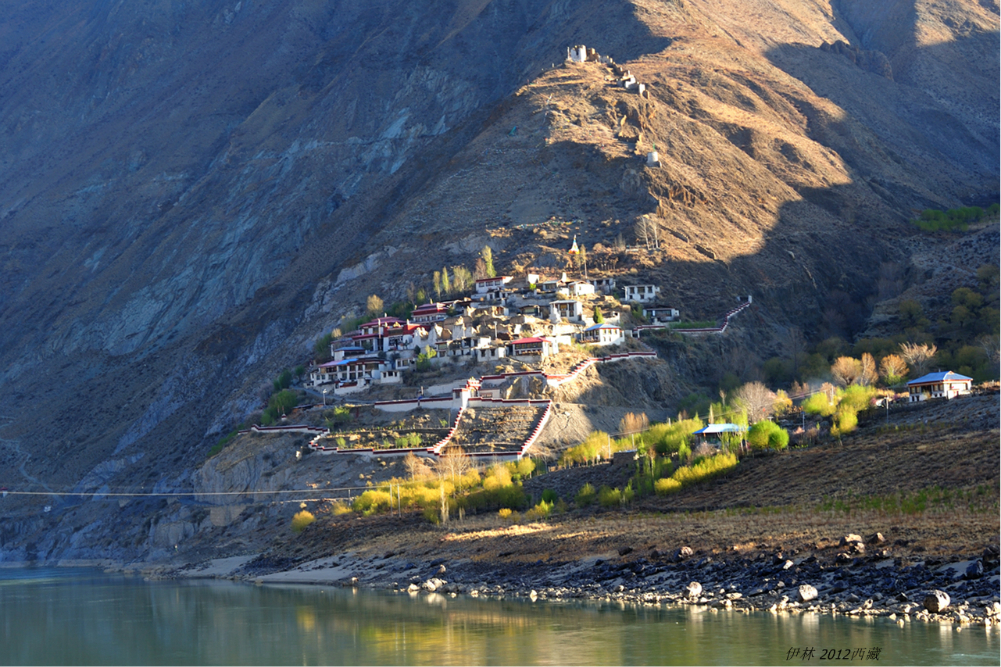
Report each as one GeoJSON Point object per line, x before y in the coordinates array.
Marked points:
{"type": "Point", "coordinates": [423, 362]}
{"type": "Point", "coordinates": [283, 381]}
{"type": "Point", "coordinates": [586, 496]}
{"type": "Point", "coordinates": [598, 317]}
{"type": "Point", "coordinates": [768, 435]}
{"type": "Point", "coordinates": [819, 404]}
{"type": "Point", "coordinates": [446, 286]}
{"type": "Point", "coordinates": [283, 401]}
{"type": "Point", "coordinates": [321, 348]}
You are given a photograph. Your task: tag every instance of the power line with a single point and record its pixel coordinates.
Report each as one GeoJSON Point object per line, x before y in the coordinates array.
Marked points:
{"type": "Point", "coordinates": [169, 494]}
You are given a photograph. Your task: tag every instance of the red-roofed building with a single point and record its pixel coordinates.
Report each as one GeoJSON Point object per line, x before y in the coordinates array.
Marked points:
{"type": "Point", "coordinates": [379, 324]}
{"type": "Point", "coordinates": [429, 312]}
{"type": "Point", "coordinates": [532, 347]}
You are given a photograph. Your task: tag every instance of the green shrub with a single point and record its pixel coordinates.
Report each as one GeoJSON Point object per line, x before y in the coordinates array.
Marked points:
{"type": "Point", "coordinates": [283, 402]}
{"type": "Point", "coordinates": [666, 486]}
{"type": "Point", "coordinates": [608, 497]}
{"type": "Point", "coordinates": [857, 397]}
{"type": "Point", "coordinates": [585, 496]}
{"type": "Point", "coordinates": [668, 438]}
{"type": "Point", "coordinates": [283, 381]}
{"type": "Point", "coordinates": [768, 435]}
{"type": "Point", "coordinates": [339, 415]}
{"type": "Point", "coordinates": [539, 512]}
{"type": "Point", "coordinates": [550, 496]}
{"type": "Point", "coordinates": [846, 421]}
{"type": "Point", "coordinates": [301, 520]}
{"type": "Point", "coordinates": [321, 348]}
{"type": "Point", "coordinates": [700, 471]}
{"type": "Point", "coordinates": [932, 220]}
{"type": "Point", "coordinates": [423, 362]}
{"type": "Point", "coordinates": [819, 404]}
{"type": "Point", "coordinates": [219, 446]}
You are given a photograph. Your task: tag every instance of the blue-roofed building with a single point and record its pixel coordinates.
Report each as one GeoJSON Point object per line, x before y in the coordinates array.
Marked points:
{"type": "Point", "coordinates": [714, 432]}
{"type": "Point", "coordinates": [939, 385]}
{"type": "Point", "coordinates": [602, 334]}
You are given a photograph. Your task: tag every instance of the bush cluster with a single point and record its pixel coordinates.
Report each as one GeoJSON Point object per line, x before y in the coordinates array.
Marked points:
{"type": "Point", "coordinates": [767, 435]}
{"type": "Point", "coordinates": [699, 471]}
{"type": "Point", "coordinates": [301, 520]}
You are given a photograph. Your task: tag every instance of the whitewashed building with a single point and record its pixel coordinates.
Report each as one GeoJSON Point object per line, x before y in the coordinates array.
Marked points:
{"type": "Point", "coordinates": [641, 293]}
{"type": "Point", "coordinates": [602, 334]}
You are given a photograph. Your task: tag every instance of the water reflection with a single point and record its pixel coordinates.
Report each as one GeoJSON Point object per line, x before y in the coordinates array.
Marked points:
{"type": "Point", "coordinates": [88, 619]}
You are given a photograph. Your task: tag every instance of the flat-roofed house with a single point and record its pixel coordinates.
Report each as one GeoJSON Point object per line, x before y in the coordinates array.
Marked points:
{"type": "Point", "coordinates": [641, 293]}
{"type": "Point", "coordinates": [661, 314]}
{"type": "Point", "coordinates": [485, 285]}
{"type": "Point", "coordinates": [566, 309]}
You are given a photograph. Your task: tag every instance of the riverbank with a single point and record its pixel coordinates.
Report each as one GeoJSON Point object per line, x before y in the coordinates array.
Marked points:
{"type": "Point", "coordinates": [859, 566]}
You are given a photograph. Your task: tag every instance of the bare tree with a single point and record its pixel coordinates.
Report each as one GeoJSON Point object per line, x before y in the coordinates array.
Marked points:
{"type": "Point", "coordinates": [892, 368]}
{"type": "Point", "coordinates": [462, 279]}
{"type": "Point", "coordinates": [453, 463]}
{"type": "Point", "coordinates": [991, 345]}
{"type": "Point", "coordinates": [918, 357]}
{"type": "Point", "coordinates": [846, 370]}
{"type": "Point", "coordinates": [374, 305]}
{"type": "Point", "coordinates": [417, 468]}
{"type": "Point", "coordinates": [634, 423]}
{"type": "Point", "coordinates": [795, 344]}
{"type": "Point", "coordinates": [648, 232]}
{"type": "Point", "coordinates": [868, 374]}
{"type": "Point", "coordinates": [757, 399]}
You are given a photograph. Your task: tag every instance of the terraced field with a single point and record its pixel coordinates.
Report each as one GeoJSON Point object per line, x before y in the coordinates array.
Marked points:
{"type": "Point", "coordinates": [483, 430]}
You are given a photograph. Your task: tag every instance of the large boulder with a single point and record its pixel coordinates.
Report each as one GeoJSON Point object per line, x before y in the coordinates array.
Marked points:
{"type": "Point", "coordinates": [937, 601]}
{"type": "Point", "coordinates": [975, 570]}
{"type": "Point", "coordinates": [807, 593]}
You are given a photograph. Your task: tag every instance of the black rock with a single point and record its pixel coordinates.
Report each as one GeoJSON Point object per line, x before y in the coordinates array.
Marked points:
{"type": "Point", "coordinates": [625, 550]}
{"type": "Point", "coordinates": [975, 570]}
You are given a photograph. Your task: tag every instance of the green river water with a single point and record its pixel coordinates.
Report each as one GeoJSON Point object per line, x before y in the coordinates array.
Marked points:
{"type": "Point", "coordinates": [84, 617]}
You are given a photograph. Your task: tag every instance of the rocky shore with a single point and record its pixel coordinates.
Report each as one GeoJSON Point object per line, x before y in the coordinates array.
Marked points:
{"type": "Point", "coordinates": [960, 593]}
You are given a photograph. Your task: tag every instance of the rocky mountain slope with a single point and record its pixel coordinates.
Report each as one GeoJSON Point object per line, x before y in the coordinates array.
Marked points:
{"type": "Point", "coordinates": [190, 194]}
